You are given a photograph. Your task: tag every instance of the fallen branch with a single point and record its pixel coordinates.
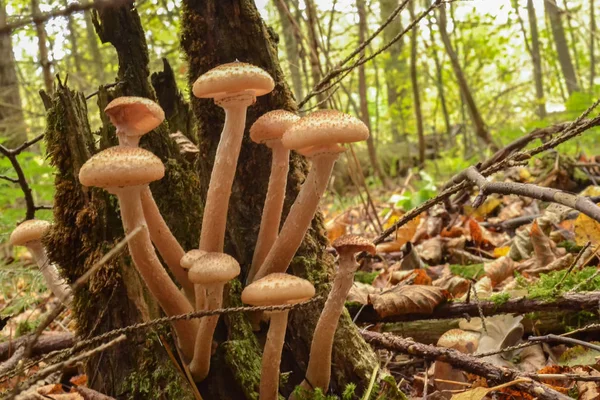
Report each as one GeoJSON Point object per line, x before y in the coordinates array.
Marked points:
{"type": "Point", "coordinates": [573, 302]}
{"type": "Point", "coordinates": [466, 362]}
{"type": "Point", "coordinates": [45, 344]}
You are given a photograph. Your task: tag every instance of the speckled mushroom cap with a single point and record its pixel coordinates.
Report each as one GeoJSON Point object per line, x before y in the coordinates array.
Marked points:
{"type": "Point", "coordinates": [316, 150]}
{"type": "Point", "coordinates": [272, 125]}
{"type": "Point", "coordinates": [232, 78]}
{"type": "Point", "coordinates": [353, 244]}
{"type": "Point", "coordinates": [278, 289]}
{"type": "Point", "coordinates": [213, 268]}
{"type": "Point", "coordinates": [135, 116]}
{"type": "Point", "coordinates": [28, 231]}
{"type": "Point", "coordinates": [121, 166]}
{"type": "Point", "coordinates": [461, 340]}
{"type": "Point", "coordinates": [188, 259]}
{"type": "Point", "coordinates": [324, 127]}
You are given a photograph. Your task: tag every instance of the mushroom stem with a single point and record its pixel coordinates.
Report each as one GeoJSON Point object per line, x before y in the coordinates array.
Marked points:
{"type": "Point", "coordinates": [167, 245]}
{"type": "Point", "coordinates": [55, 283]}
{"type": "Point", "coordinates": [269, 372]}
{"type": "Point", "coordinates": [271, 217]}
{"type": "Point", "coordinates": [300, 215]}
{"type": "Point", "coordinates": [200, 365]}
{"type": "Point", "coordinates": [318, 372]}
{"type": "Point", "coordinates": [127, 140]}
{"type": "Point", "coordinates": [214, 219]}
{"type": "Point", "coordinates": [171, 300]}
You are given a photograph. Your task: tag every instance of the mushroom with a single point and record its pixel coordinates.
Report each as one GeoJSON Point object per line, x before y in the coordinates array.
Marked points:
{"type": "Point", "coordinates": [234, 87]}
{"type": "Point", "coordinates": [318, 372]}
{"type": "Point", "coordinates": [316, 136]}
{"type": "Point", "coordinates": [126, 172]}
{"type": "Point", "coordinates": [273, 290]}
{"type": "Point", "coordinates": [187, 262]}
{"type": "Point", "coordinates": [29, 234]}
{"type": "Point", "coordinates": [212, 271]}
{"type": "Point", "coordinates": [134, 117]}
{"type": "Point", "coordinates": [268, 130]}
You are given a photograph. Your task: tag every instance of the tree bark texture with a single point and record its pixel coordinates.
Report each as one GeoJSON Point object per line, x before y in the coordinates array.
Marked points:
{"type": "Point", "coordinates": [537, 59]}
{"type": "Point", "coordinates": [562, 48]}
{"type": "Point", "coordinates": [42, 37]}
{"type": "Point", "coordinates": [315, 62]}
{"type": "Point", "coordinates": [415, 86]}
{"type": "Point", "coordinates": [216, 32]}
{"type": "Point", "coordinates": [12, 123]}
{"type": "Point", "coordinates": [87, 223]}
{"type": "Point", "coordinates": [292, 46]}
{"type": "Point", "coordinates": [592, 45]}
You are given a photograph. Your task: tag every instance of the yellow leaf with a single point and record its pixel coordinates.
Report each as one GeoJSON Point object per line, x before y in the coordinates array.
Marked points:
{"type": "Point", "coordinates": [479, 393]}
{"type": "Point", "coordinates": [501, 251]}
{"type": "Point", "coordinates": [489, 205]}
{"type": "Point", "coordinates": [586, 230]}
{"type": "Point", "coordinates": [403, 234]}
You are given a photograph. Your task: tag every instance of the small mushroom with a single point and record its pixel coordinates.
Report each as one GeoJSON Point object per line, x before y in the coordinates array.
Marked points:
{"type": "Point", "coordinates": [273, 290]}
{"type": "Point", "coordinates": [318, 372]}
{"type": "Point", "coordinates": [317, 136]}
{"type": "Point", "coordinates": [210, 271]}
{"type": "Point", "coordinates": [29, 234]}
{"type": "Point", "coordinates": [126, 172]}
{"type": "Point", "coordinates": [234, 87]}
{"type": "Point", "coordinates": [187, 262]}
{"type": "Point", "coordinates": [134, 117]}
{"type": "Point", "coordinates": [268, 130]}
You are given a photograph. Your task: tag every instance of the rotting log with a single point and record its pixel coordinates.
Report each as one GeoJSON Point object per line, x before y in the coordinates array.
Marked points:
{"type": "Point", "coordinates": [216, 32]}
{"type": "Point", "coordinates": [573, 302]}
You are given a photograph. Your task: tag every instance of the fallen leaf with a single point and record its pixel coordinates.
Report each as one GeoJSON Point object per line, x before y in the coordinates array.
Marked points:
{"type": "Point", "coordinates": [541, 246]}
{"type": "Point", "coordinates": [430, 250]}
{"type": "Point", "coordinates": [408, 299]}
{"type": "Point", "coordinates": [586, 230]}
{"type": "Point", "coordinates": [476, 232]}
{"type": "Point", "coordinates": [411, 258]}
{"type": "Point", "coordinates": [500, 269]}
{"type": "Point", "coordinates": [359, 293]}
{"type": "Point", "coordinates": [403, 235]}
{"type": "Point", "coordinates": [418, 276]}
{"type": "Point", "coordinates": [501, 251]}
{"type": "Point", "coordinates": [455, 285]}
{"type": "Point", "coordinates": [488, 206]}
{"type": "Point", "coordinates": [479, 393]}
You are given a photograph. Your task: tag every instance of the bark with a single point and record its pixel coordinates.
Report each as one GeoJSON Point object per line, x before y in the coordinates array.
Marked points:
{"type": "Point", "coordinates": [536, 59]}
{"type": "Point", "coordinates": [573, 45]}
{"type": "Point", "coordinates": [292, 46]}
{"type": "Point", "coordinates": [12, 123]}
{"type": "Point", "coordinates": [480, 129]}
{"type": "Point", "coordinates": [415, 86]}
{"type": "Point", "coordinates": [362, 93]}
{"type": "Point", "coordinates": [94, 50]}
{"type": "Point", "coordinates": [315, 62]}
{"type": "Point", "coordinates": [45, 344]}
{"type": "Point", "coordinates": [75, 52]}
{"type": "Point", "coordinates": [592, 45]}
{"type": "Point", "coordinates": [439, 79]}
{"type": "Point", "coordinates": [562, 48]}
{"type": "Point", "coordinates": [216, 32]}
{"type": "Point", "coordinates": [43, 48]}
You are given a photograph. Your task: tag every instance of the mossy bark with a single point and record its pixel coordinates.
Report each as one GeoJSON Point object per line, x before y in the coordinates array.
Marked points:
{"type": "Point", "coordinates": [216, 32]}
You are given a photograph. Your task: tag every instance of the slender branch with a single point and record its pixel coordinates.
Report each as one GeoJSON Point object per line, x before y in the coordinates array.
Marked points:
{"type": "Point", "coordinates": [8, 178]}
{"type": "Point", "coordinates": [11, 154]}
{"type": "Point", "coordinates": [562, 339]}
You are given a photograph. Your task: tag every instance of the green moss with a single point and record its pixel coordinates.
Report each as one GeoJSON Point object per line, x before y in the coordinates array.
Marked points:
{"type": "Point", "coordinates": [26, 327]}
{"type": "Point", "coordinates": [500, 298]}
{"type": "Point", "coordinates": [545, 287]}
{"type": "Point", "coordinates": [570, 246]}
{"type": "Point", "coordinates": [579, 355]}
{"type": "Point", "coordinates": [473, 271]}
{"type": "Point", "coordinates": [365, 277]}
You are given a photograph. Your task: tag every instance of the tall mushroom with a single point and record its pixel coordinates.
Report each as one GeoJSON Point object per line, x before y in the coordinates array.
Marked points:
{"type": "Point", "coordinates": [234, 87]}
{"type": "Point", "coordinates": [268, 130]}
{"type": "Point", "coordinates": [316, 136]}
{"type": "Point", "coordinates": [29, 234]}
{"type": "Point", "coordinates": [211, 271]}
{"type": "Point", "coordinates": [318, 372]}
{"type": "Point", "coordinates": [134, 117]}
{"type": "Point", "coordinates": [187, 262]}
{"type": "Point", "coordinates": [273, 290]}
{"type": "Point", "coordinates": [126, 172]}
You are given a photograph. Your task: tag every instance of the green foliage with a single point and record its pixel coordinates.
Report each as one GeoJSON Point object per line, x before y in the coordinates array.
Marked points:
{"type": "Point", "coordinates": [26, 327]}
{"type": "Point", "coordinates": [365, 277]}
{"type": "Point", "coordinates": [473, 271]}
{"type": "Point", "coordinates": [424, 190]}
{"type": "Point", "coordinates": [499, 298]}
{"type": "Point", "coordinates": [579, 355]}
{"type": "Point", "coordinates": [545, 287]}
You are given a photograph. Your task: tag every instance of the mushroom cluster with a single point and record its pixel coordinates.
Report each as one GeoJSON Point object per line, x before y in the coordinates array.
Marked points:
{"type": "Point", "coordinates": [126, 171]}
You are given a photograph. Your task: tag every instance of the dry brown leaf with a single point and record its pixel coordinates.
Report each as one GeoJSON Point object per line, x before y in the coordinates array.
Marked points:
{"type": "Point", "coordinates": [411, 258]}
{"type": "Point", "coordinates": [500, 269]}
{"type": "Point", "coordinates": [408, 299]}
{"type": "Point", "coordinates": [403, 235]}
{"type": "Point", "coordinates": [488, 206]}
{"type": "Point", "coordinates": [359, 293]}
{"type": "Point", "coordinates": [453, 232]}
{"type": "Point", "coordinates": [455, 285]}
{"type": "Point", "coordinates": [335, 228]}
{"type": "Point", "coordinates": [542, 246]}
{"type": "Point", "coordinates": [587, 390]}
{"type": "Point", "coordinates": [476, 232]}
{"type": "Point", "coordinates": [431, 250]}
{"type": "Point", "coordinates": [479, 393]}
{"type": "Point", "coordinates": [418, 277]}
{"type": "Point", "coordinates": [557, 265]}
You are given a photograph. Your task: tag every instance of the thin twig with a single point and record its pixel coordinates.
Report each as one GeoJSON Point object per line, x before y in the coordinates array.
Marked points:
{"type": "Point", "coordinates": [562, 339]}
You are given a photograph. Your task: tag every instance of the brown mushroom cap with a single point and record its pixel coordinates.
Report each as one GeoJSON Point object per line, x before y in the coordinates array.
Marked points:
{"type": "Point", "coordinates": [188, 259]}
{"type": "Point", "coordinates": [121, 166]}
{"type": "Point", "coordinates": [232, 78]}
{"type": "Point", "coordinates": [272, 125]}
{"type": "Point", "coordinates": [28, 231]}
{"type": "Point", "coordinates": [353, 244]}
{"type": "Point", "coordinates": [325, 149]}
{"type": "Point", "coordinates": [214, 268]}
{"type": "Point", "coordinates": [136, 116]}
{"type": "Point", "coordinates": [458, 339]}
{"type": "Point", "coordinates": [324, 127]}
{"type": "Point", "coordinates": [278, 289]}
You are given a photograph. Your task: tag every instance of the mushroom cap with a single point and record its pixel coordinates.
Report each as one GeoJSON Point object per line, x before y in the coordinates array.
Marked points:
{"type": "Point", "coordinates": [461, 340]}
{"type": "Point", "coordinates": [135, 116]}
{"type": "Point", "coordinates": [353, 244]}
{"type": "Point", "coordinates": [29, 231]}
{"type": "Point", "coordinates": [214, 268]}
{"type": "Point", "coordinates": [232, 78]}
{"type": "Point", "coordinates": [324, 127]}
{"type": "Point", "coordinates": [313, 151]}
{"type": "Point", "coordinates": [121, 166]}
{"type": "Point", "coordinates": [188, 259]}
{"type": "Point", "coordinates": [272, 125]}
{"type": "Point", "coordinates": [278, 289]}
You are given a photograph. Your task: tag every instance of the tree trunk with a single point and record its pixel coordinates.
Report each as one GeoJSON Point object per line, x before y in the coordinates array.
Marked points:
{"type": "Point", "coordinates": [12, 123]}
{"type": "Point", "coordinates": [94, 50]}
{"type": "Point", "coordinates": [362, 93]}
{"type": "Point", "coordinates": [292, 46]}
{"type": "Point", "coordinates": [439, 79]}
{"type": "Point", "coordinates": [43, 48]}
{"type": "Point", "coordinates": [478, 123]}
{"type": "Point", "coordinates": [592, 45]}
{"type": "Point", "coordinates": [573, 45]}
{"type": "Point", "coordinates": [216, 32]}
{"type": "Point", "coordinates": [562, 48]}
{"type": "Point", "coordinates": [415, 86]}
{"type": "Point", "coordinates": [75, 52]}
{"type": "Point", "coordinates": [87, 225]}
{"type": "Point", "coordinates": [315, 62]}
{"type": "Point", "coordinates": [537, 59]}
